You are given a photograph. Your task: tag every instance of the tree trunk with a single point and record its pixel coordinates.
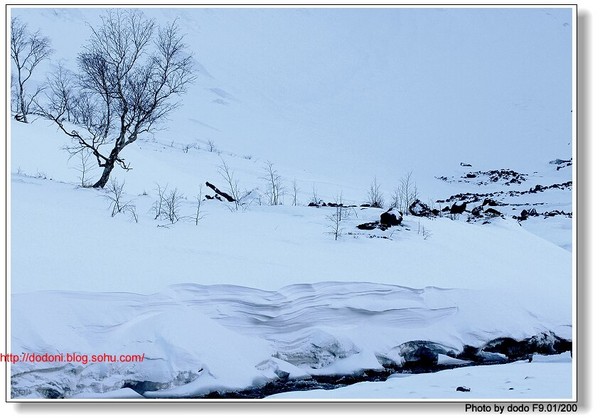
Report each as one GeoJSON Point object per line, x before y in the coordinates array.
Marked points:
{"type": "Point", "coordinates": [108, 167]}
{"type": "Point", "coordinates": [22, 105]}
{"type": "Point", "coordinates": [105, 175]}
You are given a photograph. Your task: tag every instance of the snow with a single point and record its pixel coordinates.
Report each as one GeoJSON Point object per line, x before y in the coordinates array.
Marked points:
{"type": "Point", "coordinates": [541, 379]}
{"type": "Point", "coordinates": [199, 339]}
{"type": "Point", "coordinates": [265, 247]}
{"type": "Point", "coordinates": [245, 296]}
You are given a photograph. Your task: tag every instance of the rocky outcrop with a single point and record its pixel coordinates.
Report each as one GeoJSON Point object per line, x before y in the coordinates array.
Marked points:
{"type": "Point", "coordinates": [418, 208]}
{"type": "Point", "coordinates": [391, 217]}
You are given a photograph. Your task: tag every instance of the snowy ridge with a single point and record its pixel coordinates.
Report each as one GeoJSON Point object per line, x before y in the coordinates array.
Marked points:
{"type": "Point", "coordinates": [202, 339]}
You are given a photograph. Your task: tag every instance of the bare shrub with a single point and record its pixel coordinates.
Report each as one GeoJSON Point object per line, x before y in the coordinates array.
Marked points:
{"type": "Point", "coordinates": [118, 204]}
{"type": "Point", "coordinates": [158, 203]}
{"type": "Point", "coordinates": [405, 194]}
{"type": "Point", "coordinates": [336, 218]}
{"type": "Point", "coordinates": [168, 204]}
{"type": "Point", "coordinates": [232, 183]}
{"type": "Point", "coordinates": [210, 146]}
{"type": "Point", "coordinates": [295, 191]}
{"type": "Point", "coordinates": [315, 196]}
{"type": "Point", "coordinates": [85, 166]}
{"type": "Point", "coordinates": [172, 205]}
{"type": "Point", "coordinates": [198, 215]}
{"type": "Point", "coordinates": [374, 196]}
{"type": "Point", "coordinates": [274, 189]}
{"type": "Point", "coordinates": [421, 230]}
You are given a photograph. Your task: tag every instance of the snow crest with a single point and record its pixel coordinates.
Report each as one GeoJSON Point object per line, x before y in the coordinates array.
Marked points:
{"type": "Point", "coordinates": [199, 339]}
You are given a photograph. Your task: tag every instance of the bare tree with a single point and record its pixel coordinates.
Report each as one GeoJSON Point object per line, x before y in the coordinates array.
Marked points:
{"type": "Point", "coordinates": [129, 72]}
{"type": "Point", "coordinates": [27, 51]}
{"type": "Point", "coordinates": [62, 98]}
{"type": "Point", "coordinates": [274, 185]}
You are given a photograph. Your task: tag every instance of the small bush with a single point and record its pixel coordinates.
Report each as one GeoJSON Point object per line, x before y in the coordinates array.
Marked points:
{"type": "Point", "coordinates": [115, 195]}
{"type": "Point", "coordinates": [375, 197]}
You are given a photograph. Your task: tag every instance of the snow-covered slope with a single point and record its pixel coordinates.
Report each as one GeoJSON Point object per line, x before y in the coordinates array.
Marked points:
{"type": "Point", "coordinates": [231, 301]}
{"type": "Point", "coordinates": [358, 93]}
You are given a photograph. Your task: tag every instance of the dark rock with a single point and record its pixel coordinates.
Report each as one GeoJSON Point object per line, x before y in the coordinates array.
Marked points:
{"type": "Point", "coordinates": [567, 164]}
{"type": "Point", "coordinates": [526, 214]}
{"type": "Point", "coordinates": [492, 212]}
{"type": "Point", "coordinates": [544, 343]}
{"type": "Point", "coordinates": [508, 176]}
{"type": "Point", "coordinates": [465, 165]}
{"type": "Point", "coordinates": [390, 218]}
{"type": "Point", "coordinates": [553, 213]}
{"type": "Point", "coordinates": [490, 202]}
{"type": "Point", "coordinates": [549, 343]}
{"type": "Point", "coordinates": [463, 389]}
{"type": "Point", "coordinates": [141, 386]}
{"type": "Point", "coordinates": [511, 348]}
{"type": "Point", "coordinates": [418, 208]}
{"type": "Point", "coordinates": [469, 353]}
{"type": "Point", "coordinates": [537, 188]}
{"type": "Point", "coordinates": [369, 226]}
{"type": "Point", "coordinates": [51, 393]}
{"type": "Point", "coordinates": [458, 209]}
{"type": "Point", "coordinates": [476, 211]}
{"type": "Point", "coordinates": [421, 355]}
{"type": "Point", "coordinates": [465, 197]}
{"type": "Point", "coordinates": [422, 358]}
